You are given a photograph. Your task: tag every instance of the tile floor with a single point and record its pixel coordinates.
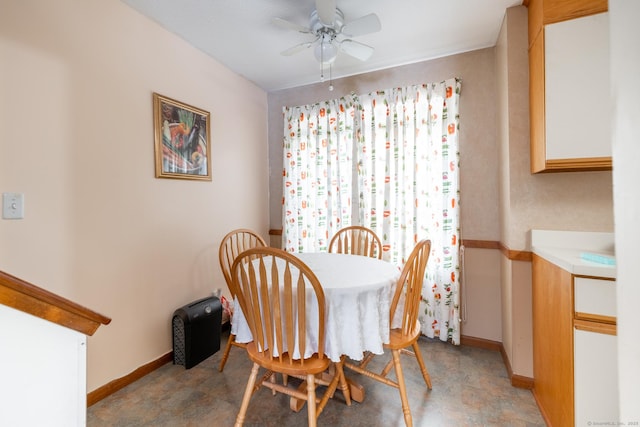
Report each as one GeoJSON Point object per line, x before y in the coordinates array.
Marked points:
{"type": "Point", "coordinates": [470, 388]}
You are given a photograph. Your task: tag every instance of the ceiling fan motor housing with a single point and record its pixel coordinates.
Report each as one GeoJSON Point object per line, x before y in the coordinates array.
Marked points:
{"type": "Point", "coordinates": [318, 27]}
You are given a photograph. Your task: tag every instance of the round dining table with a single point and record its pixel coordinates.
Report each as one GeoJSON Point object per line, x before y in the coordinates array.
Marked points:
{"type": "Point", "coordinates": [358, 296]}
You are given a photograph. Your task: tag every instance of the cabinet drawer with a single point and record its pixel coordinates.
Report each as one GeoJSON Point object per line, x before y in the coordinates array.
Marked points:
{"type": "Point", "coordinates": [595, 299]}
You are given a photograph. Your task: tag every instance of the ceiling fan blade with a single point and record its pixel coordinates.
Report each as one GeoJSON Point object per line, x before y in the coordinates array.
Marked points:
{"type": "Point", "coordinates": [356, 49]}
{"type": "Point", "coordinates": [364, 25]}
{"type": "Point", "coordinates": [288, 25]}
{"type": "Point", "coordinates": [326, 11]}
{"type": "Point", "coordinates": [298, 48]}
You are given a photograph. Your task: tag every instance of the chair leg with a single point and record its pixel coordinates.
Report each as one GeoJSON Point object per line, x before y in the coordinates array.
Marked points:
{"type": "Point", "coordinates": [328, 394]}
{"type": "Point", "coordinates": [401, 387]}
{"type": "Point", "coordinates": [423, 367]}
{"type": "Point", "coordinates": [387, 369]}
{"type": "Point", "coordinates": [343, 381]}
{"type": "Point", "coordinates": [367, 358]}
{"type": "Point", "coordinates": [227, 348]}
{"type": "Point", "coordinates": [311, 400]}
{"type": "Point", "coordinates": [248, 392]}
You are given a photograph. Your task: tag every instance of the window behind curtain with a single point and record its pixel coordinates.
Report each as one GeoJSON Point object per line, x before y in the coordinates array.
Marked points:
{"type": "Point", "coordinates": [402, 144]}
{"type": "Point", "coordinates": [317, 173]}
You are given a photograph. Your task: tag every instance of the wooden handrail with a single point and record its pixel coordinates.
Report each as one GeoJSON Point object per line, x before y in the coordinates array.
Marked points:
{"type": "Point", "coordinates": [31, 299]}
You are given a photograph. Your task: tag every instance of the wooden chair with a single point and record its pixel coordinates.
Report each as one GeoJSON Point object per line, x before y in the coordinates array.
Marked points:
{"type": "Point", "coordinates": [274, 288]}
{"type": "Point", "coordinates": [408, 289]}
{"type": "Point", "coordinates": [234, 243]}
{"type": "Point", "coordinates": [356, 240]}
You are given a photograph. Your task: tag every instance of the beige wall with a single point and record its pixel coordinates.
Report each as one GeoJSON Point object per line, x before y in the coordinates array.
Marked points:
{"type": "Point", "coordinates": [500, 199]}
{"type": "Point", "coordinates": [478, 159]}
{"type": "Point", "coordinates": [75, 114]}
{"type": "Point", "coordinates": [481, 313]}
{"type": "Point", "coordinates": [558, 201]}
{"type": "Point", "coordinates": [478, 155]}
{"type": "Point", "coordinates": [513, 124]}
{"type": "Point", "coordinates": [580, 201]}
{"type": "Point", "coordinates": [76, 83]}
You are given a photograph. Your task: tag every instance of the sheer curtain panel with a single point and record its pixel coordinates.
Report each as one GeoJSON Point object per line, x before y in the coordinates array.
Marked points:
{"type": "Point", "coordinates": [408, 186]}
{"type": "Point", "coordinates": [317, 173]}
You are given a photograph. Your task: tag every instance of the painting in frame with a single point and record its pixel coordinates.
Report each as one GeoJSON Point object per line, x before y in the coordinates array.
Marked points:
{"type": "Point", "coordinates": [182, 136]}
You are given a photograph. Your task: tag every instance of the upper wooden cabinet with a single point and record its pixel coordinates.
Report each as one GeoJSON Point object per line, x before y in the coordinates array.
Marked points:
{"type": "Point", "coordinates": [569, 85]}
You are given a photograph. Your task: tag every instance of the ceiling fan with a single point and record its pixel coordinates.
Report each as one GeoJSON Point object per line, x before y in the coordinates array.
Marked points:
{"type": "Point", "coordinates": [332, 34]}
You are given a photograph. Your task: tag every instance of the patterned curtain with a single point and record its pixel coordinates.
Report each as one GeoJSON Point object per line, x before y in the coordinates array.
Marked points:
{"type": "Point", "coordinates": [407, 182]}
{"type": "Point", "coordinates": [408, 186]}
{"type": "Point", "coordinates": [317, 173]}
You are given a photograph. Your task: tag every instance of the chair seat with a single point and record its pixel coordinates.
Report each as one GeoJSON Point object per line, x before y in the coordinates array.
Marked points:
{"type": "Point", "coordinates": [312, 365]}
{"type": "Point", "coordinates": [397, 340]}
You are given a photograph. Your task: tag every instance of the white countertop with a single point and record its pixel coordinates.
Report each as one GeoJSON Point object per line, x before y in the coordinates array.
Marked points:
{"type": "Point", "coordinates": [563, 248]}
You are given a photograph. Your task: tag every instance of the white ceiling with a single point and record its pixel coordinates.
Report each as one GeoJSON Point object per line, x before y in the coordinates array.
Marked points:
{"type": "Point", "coordinates": [240, 34]}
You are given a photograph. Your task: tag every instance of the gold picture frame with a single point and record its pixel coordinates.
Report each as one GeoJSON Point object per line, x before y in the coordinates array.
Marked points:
{"type": "Point", "coordinates": [182, 135]}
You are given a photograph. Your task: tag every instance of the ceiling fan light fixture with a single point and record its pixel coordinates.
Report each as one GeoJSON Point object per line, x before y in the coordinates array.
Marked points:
{"type": "Point", "coordinates": [325, 52]}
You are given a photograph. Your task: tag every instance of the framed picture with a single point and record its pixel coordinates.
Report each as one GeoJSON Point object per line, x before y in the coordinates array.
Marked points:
{"type": "Point", "coordinates": [182, 136]}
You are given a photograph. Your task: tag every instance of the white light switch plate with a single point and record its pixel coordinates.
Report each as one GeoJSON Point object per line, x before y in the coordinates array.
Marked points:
{"type": "Point", "coordinates": [12, 205]}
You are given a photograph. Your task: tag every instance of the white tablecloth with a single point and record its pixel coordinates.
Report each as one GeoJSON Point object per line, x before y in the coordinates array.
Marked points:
{"type": "Point", "coordinates": [358, 295]}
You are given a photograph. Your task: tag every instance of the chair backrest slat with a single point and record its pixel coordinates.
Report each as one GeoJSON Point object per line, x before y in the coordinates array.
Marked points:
{"type": "Point", "coordinates": [288, 303]}
{"type": "Point", "coordinates": [232, 244]}
{"type": "Point", "coordinates": [266, 308]}
{"type": "Point", "coordinates": [252, 289]}
{"type": "Point", "coordinates": [409, 286]}
{"type": "Point", "coordinates": [302, 320]}
{"type": "Point", "coordinates": [277, 310]}
{"type": "Point", "coordinates": [356, 240]}
{"type": "Point", "coordinates": [276, 297]}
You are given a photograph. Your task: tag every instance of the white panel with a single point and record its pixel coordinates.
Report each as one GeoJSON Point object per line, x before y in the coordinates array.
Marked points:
{"type": "Point", "coordinates": [43, 372]}
{"type": "Point", "coordinates": [625, 67]}
{"type": "Point", "coordinates": [595, 378]}
{"type": "Point", "coordinates": [595, 296]}
{"type": "Point", "coordinates": [577, 94]}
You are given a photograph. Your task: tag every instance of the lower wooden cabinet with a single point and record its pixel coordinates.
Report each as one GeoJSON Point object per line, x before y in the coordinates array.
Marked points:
{"type": "Point", "coordinates": [574, 346]}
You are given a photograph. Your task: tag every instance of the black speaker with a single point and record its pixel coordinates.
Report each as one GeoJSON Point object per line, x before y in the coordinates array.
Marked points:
{"type": "Point", "coordinates": [196, 331]}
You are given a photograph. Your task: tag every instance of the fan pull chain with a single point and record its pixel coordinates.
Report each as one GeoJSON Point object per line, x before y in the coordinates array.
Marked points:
{"type": "Point", "coordinates": [330, 77]}
{"type": "Point", "coordinates": [321, 60]}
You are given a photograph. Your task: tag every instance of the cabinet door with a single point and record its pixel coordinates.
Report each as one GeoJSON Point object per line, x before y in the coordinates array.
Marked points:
{"type": "Point", "coordinates": [577, 94]}
{"type": "Point", "coordinates": [595, 375]}
{"type": "Point", "coordinates": [553, 341]}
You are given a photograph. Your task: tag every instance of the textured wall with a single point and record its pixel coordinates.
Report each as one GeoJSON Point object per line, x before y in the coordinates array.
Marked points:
{"type": "Point", "coordinates": [478, 164]}
{"type": "Point", "coordinates": [558, 201]}
{"type": "Point", "coordinates": [478, 142]}
{"type": "Point", "coordinates": [576, 201]}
